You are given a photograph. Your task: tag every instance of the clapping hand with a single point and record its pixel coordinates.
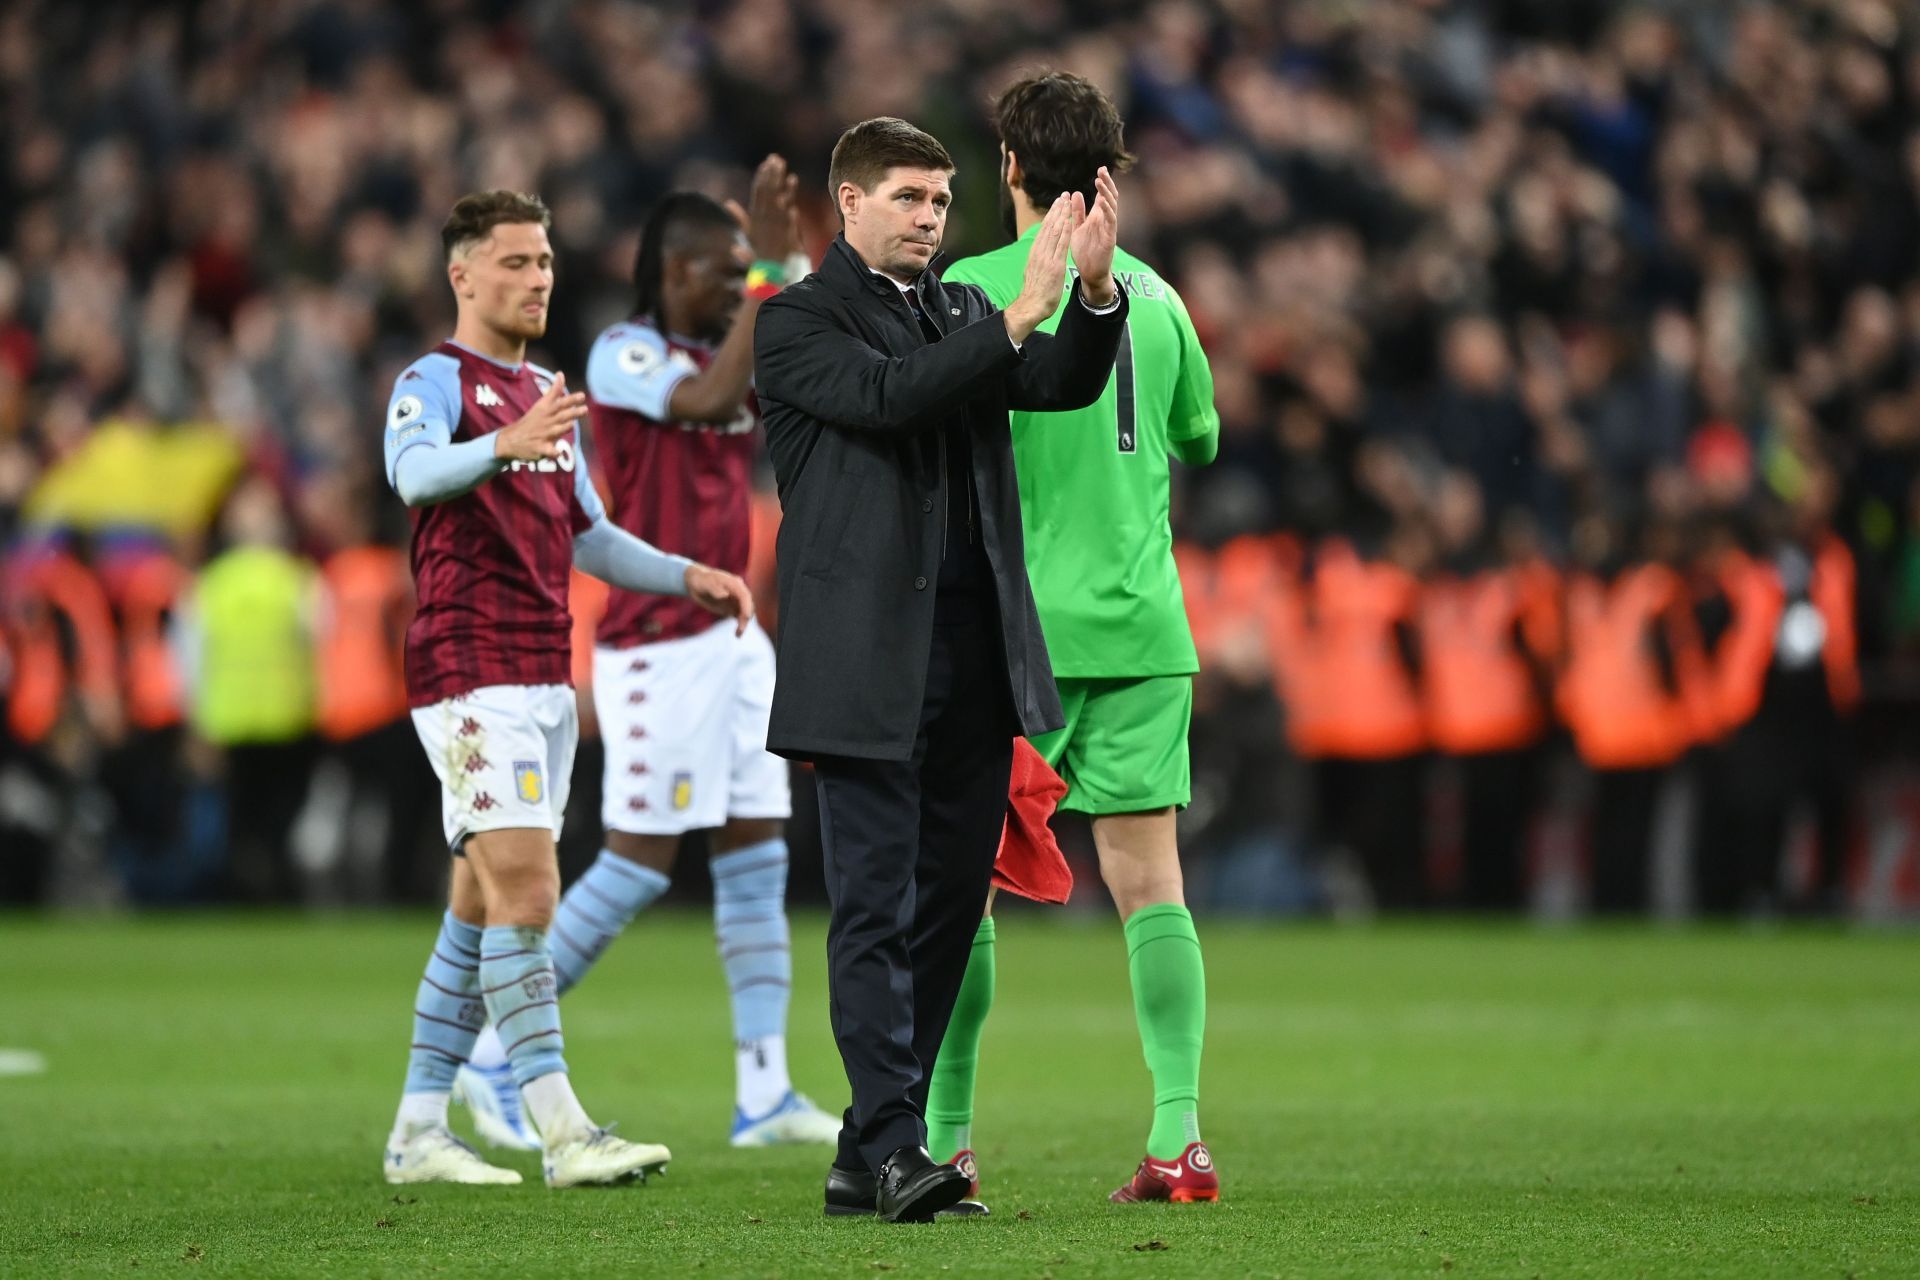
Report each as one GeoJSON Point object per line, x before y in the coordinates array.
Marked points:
{"type": "Point", "coordinates": [1046, 267]}
{"type": "Point", "coordinates": [1092, 241]}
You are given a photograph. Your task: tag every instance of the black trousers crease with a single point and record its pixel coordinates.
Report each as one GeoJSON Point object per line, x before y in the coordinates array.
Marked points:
{"type": "Point", "coordinates": [908, 850]}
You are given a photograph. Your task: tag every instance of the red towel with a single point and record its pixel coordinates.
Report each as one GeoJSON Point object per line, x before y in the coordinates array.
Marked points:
{"type": "Point", "coordinates": [1030, 862]}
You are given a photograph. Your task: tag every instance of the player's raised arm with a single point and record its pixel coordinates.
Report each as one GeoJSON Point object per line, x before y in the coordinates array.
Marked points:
{"type": "Point", "coordinates": [702, 271]}
{"type": "Point", "coordinates": [760, 263]}
{"type": "Point", "coordinates": [1069, 368]}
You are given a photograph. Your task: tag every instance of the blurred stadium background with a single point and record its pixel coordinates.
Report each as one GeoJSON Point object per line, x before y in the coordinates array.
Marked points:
{"type": "Point", "coordinates": [1564, 548]}
{"type": "Point", "coordinates": [1562, 558]}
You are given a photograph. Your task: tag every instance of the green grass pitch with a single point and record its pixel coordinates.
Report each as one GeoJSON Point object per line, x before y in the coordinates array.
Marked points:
{"type": "Point", "coordinates": [1442, 1099]}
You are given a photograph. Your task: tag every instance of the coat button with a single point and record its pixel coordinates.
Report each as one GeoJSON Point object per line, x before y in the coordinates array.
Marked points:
{"type": "Point", "coordinates": [926, 504]}
{"type": "Point", "coordinates": [920, 584]}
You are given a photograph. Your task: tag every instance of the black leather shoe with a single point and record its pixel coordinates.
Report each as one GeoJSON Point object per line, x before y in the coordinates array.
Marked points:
{"type": "Point", "coordinates": [913, 1188]}
{"type": "Point", "coordinates": [850, 1194]}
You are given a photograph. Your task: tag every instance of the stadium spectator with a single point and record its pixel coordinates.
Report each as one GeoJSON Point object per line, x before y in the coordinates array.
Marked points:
{"type": "Point", "coordinates": [1583, 234]}
{"type": "Point", "coordinates": [247, 654]}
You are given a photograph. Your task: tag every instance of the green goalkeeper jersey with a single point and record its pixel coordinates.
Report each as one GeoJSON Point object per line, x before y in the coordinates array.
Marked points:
{"type": "Point", "coordinates": [1095, 493]}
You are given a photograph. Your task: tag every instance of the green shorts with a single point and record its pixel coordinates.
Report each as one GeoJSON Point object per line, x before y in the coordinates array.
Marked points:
{"type": "Point", "coordinates": [1124, 748]}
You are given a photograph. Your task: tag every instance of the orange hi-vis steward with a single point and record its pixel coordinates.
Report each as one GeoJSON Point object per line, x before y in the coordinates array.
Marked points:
{"type": "Point", "coordinates": [1757, 601]}
{"type": "Point", "coordinates": [362, 677]}
{"type": "Point", "coordinates": [40, 592]}
{"type": "Point", "coordinates": [1623, 710]}
{"type": "Point", "coordinates": [144, 589]}
{"type": "Point", "coordinates": [1483, 639]}
{"type": "Point", "coordinates": [1368, 704]}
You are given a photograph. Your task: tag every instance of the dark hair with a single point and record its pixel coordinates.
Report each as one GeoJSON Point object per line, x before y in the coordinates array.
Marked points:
{"type": "Point", "coordinates": [1062, 128]}
{"type": "Point", "coordinates": [475, 216]}
{"type": "Point", "coordinates": [671, 225]}
{"type": "Point", "coordinates": [865, 153]}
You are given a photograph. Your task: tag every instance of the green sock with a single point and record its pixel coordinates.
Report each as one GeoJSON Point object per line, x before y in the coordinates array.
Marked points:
{"type": "Point", "coordinates": [950, 1094]}
{"type": "Point", "coordinates": [1170, 1003]}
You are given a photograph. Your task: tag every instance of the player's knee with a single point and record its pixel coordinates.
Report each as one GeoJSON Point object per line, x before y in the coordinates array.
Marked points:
{"type": "Point", "coordinates": [526, 909]}
{"type": "Point", "coordinates": [657, 853]}
{"type": "Point", "coordinates": [1136, 885]}
{"type": "Point", "coordinates": [740, 833]}
{"type": "Point", "coordinates": [526, 899]}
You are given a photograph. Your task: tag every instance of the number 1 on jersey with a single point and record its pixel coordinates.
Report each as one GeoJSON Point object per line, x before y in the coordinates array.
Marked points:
{"type": "Point", "coordinates": [1123, 387]}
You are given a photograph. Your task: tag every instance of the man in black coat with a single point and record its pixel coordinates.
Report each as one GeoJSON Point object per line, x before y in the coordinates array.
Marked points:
{"type": "Point", "coordinates": [910, 652]}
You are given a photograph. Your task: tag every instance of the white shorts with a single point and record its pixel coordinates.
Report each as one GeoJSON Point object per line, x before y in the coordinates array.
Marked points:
{"type": "Point", "coordinates": [504, 755]}
{"type": "Point", "coordinates": [685, 727]}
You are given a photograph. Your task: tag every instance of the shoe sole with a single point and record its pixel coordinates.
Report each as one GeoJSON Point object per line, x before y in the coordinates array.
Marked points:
{"type": "Point", "coordinates": [452, 1182]}
{"type": "Point", "coordinates": [939, 1194]}
{"type": "Point", "coordinates": [757, 1144]}
{"type": "Point", "coordinates": [848, 1211]}
{"type": "Point", "coordinates": [1180, 1195]}
{"type": "Point", "coordinates": [640, 1174]}
{"type": "Point", "coordinates": [966, 1208]}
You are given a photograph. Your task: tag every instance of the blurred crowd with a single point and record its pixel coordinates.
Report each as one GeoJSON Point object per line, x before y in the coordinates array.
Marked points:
{"type": "Point", "coordinates": [1564, 545]}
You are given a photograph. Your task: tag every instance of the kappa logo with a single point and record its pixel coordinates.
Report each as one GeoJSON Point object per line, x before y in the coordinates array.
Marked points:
{"type": "Point", "coordinates": [477, 763]}
{"type": "Point", "coordinates": [527, 782]}
{"type": "Point", "coordinates": [484, 802]}
{"type": "Point", "coordinates": [486, 397]}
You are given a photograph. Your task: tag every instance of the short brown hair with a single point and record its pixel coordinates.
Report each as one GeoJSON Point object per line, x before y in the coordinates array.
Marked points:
{"type": "Point", "coordinates": [475, 216]}
{"type": "Point", "coordinates": [865, 153]}
{"type": "Point", "coordinates": [1062, 128]}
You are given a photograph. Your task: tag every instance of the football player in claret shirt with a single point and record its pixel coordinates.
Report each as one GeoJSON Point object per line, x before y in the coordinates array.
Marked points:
{"type": "Point", "coordinates": [1095, 497]}
{"type": "Point", "coordinates": [484, 447]}
{"type": "Point", "coordinates": [682, 701]}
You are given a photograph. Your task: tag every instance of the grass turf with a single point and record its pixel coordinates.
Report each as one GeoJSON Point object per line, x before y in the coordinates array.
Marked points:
{"type": "Point", "coordinates": [1402, 1100]}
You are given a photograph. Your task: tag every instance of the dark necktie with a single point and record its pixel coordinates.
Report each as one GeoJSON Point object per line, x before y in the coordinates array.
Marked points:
{"type": "Point", "coordinates": [963, 518]}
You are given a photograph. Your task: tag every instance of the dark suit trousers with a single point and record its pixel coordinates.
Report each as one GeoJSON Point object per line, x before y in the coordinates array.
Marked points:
{"type": "Point", "coordinates": [908, 849]}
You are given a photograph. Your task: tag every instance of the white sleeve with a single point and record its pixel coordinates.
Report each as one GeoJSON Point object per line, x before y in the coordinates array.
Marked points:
{"type": "Point", "coordinates": [630, 367]}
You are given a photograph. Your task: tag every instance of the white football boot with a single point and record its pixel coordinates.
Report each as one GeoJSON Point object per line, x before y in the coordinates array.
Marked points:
{"type": "Point", "coordinates": [435, 1155]}
{"type": "Point", "coordinates": [601, 1157]}
{"type": "Point", "coordinates": [493, 1099]}
{"type": "Point", "coordinates": [796, 1121]}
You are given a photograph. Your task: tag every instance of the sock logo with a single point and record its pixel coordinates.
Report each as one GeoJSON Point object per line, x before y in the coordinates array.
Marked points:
{"type": "Point", "coordinates": [539, 986]}
{"type": "Point", "coordinates": [472, 1014]}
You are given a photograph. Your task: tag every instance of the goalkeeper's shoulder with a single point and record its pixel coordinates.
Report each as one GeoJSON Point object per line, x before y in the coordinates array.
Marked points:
{"type": "Point", "coordinates": [997, 273]}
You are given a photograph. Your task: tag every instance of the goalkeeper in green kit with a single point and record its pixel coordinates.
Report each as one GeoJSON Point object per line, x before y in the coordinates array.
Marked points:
{"type": "Point", "coordinates": [1094, 496]}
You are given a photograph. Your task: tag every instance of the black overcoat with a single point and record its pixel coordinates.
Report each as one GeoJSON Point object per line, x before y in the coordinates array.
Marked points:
{"type": "Point", "coordinates": [855, 400]}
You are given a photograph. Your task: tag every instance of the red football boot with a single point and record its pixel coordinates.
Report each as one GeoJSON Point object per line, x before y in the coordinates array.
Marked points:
{"type": "Point", "coordinates": [969, 1206]}
{"type": "Point", "coordinates": [1183, 1181]}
